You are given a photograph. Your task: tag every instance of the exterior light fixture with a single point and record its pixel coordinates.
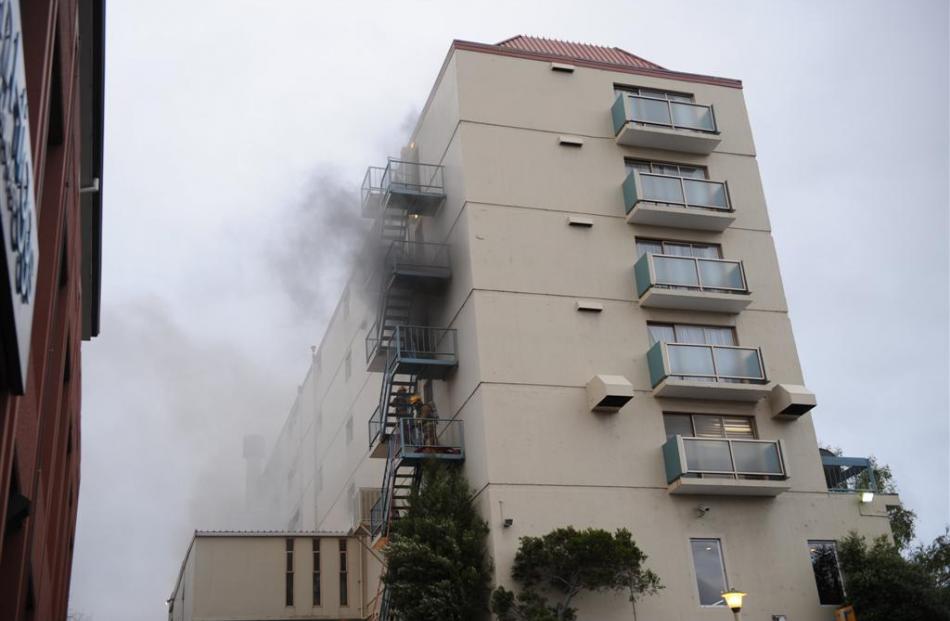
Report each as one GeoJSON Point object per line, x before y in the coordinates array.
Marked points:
{"type": "Point", "coordinates": [867, 497]}
{"type": "Point", "coordinates": [733, 599]}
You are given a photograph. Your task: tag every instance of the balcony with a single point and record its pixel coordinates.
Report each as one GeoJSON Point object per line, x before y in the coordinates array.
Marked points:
{"type": "Point", "coordinates": [677, 202]}
{"type": "Point", "coordinates": [418, 265]}
{"type": "Point", "coordinates": [411, 442]}
{"type": "Point", "coordinates": [848, 475]}
{"type": "Point", "coordinates": [696, 371]}
{"type": "Point", "coordinates": [691, 283]}
{"type": "Point", "coordinates": [405, 186]}
{"type": "Point", "coordinates": [641, 121]}
{"type": "Point", "coordinates": [427, 353]}
{"type": "Point", "coordinates": [724, 466]}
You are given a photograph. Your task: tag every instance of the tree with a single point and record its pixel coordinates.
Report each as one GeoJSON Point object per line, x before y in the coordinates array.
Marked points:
{"type": "Point", "coordinates": [567, 561]}
{"type": "Point", "coordinates": [437, 567]}
{"type": "Point", "coordinates": [882, 585]}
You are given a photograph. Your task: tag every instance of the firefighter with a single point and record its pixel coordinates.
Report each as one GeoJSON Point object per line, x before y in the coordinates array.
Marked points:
{"type": "Point", "coordinates": [415, 435]}
{"type": "Point", "coordinates": [430, 424]}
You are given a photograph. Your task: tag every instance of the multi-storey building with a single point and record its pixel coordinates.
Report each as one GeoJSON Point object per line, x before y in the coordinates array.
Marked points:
{"type": "Point", "coordinates": [572, 258]}
{"type": "Point", "coordinates": [51, 117]}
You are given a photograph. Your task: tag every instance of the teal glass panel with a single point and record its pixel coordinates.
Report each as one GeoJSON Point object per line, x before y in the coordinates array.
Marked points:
{"type": "Point", "coordinates": [701, 193]}
{"type": "Point", "coordinates": [690, 360]}
{"type": "Point", "coordinates": [707, 455]}
{"type": "Point", "coordinates": [757, 457]}
{"type": "Point", "coordinates": [662, 189]}
{"type": "Point", "coordinates": [675, 271]}
{"type": "Point", "coordinates": [738, 363]}
{"type": "Point", "coordinates": [653, 111]}
{"type": "Point", "coordinates": [721, 275]}
{"type": "Point", "coordinates": [693, 117]}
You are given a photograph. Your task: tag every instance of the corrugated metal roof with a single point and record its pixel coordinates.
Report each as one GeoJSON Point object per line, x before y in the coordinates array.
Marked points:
{"type": "Point", "coordinates": [579, 51]}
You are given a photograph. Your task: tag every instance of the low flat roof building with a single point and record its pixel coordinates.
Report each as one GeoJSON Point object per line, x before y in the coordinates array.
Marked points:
{"type": "Point", "coordinates": [228, 575]}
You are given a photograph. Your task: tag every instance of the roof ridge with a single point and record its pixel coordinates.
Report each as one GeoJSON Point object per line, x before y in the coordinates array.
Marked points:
{"type": "Point", "coordinates": [577, 50]}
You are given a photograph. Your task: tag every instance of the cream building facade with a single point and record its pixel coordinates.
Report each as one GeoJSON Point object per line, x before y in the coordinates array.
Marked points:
{"type": "Point", "coordinates": [572, 261]}
{"type": "Point", "coordinates": [258, 576]}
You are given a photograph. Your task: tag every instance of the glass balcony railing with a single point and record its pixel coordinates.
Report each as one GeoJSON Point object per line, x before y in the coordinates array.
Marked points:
{"type": "Point", "coordinates": [629, 108]}
{"type": "Point", "coordinates": [670, 190]}
{"type": "Point", "coordinates": [723, 458]}
{"type": "Point", "coordinates": [693, 273]}
{"type": "Point", "coordinates": [705, 363]}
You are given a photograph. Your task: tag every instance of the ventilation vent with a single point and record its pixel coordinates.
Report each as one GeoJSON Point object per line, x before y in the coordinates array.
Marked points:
{"type": "Point", "coordinates": [589, 306]}
{"type": "Point", "coordinates": [571, 141]}
{"type": "Point", "coordinates": [579, 221]}
{"type": "Point", "coordinates": [562, 67]}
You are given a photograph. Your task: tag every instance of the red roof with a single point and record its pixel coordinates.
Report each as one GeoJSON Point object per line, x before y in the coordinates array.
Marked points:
{"type": "Point", "coordinates": [577, 51]}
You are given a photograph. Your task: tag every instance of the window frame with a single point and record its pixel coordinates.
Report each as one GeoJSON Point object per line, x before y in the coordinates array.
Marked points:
{"type": "Point", "coordinates": [665, 242]}
{"type": "Point", "coordinates": [722, 565]}
{"type": "Point", "coordinates": [289, 572]}
{"type": "Point", "coordinates": [316, 588]}
{"type": "Point", "coordinates": [834, 548]}
{"type": "Point", "coordinates": [344, 573]}
{"type": "Point", "coordinates": [627, 161]}
{"type": "Point", "coordinates": [754, 426]}
{"type": "Point", "coordinates": [673, 324]}
{"type": "Point", "coordinates": [654, 92]}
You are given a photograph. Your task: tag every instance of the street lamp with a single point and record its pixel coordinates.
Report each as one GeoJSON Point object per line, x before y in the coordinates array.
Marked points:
{"type": "Point", "coordinates": [733, 599]}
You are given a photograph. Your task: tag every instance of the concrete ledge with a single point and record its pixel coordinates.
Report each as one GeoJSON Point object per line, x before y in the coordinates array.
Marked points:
{"type": "Point", "coordinates": [728, 487]}
{"type": "Point", "coordinates": [679, 217]}
{"type": "Point", "coordinates": [658, 137]}
{"type": "Point", "coordinates": [717, 391]}
{"type": "Point", "coordinates": [686, 299]}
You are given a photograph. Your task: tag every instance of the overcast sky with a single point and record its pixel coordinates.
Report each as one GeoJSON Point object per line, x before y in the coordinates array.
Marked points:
{"type": "Point", "coordinates": [233, 126]}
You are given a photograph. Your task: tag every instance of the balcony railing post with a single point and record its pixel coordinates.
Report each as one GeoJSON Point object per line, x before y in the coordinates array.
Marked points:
{"type": "Point", "coordinates": [712, 354]}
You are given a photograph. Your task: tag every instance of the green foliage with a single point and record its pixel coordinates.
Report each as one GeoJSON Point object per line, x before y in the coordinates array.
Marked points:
{"type": "Point", "coordinates": [882, 585]}
{"type": "Point", "coordinates": [935, 559]}
{"type": "Point", "coordinates": [567, 561]}
{"type": "Point", "coordinates": [902, 525]}
{"type": "Point", "coordinates": [437, 568]}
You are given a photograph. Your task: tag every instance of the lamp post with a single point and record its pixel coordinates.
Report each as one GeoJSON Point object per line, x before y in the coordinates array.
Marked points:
{"type": "Point", "coordinates": [733, 599]}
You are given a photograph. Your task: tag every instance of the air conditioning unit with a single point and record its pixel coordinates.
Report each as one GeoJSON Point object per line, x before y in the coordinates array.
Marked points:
{"type": "Point", "coordinates": [608, 393]}
{"type": "Point", "coordinates": [790, 401]}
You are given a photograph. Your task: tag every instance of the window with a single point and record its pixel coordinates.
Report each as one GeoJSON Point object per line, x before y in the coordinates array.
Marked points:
{"type": "Point", "coordinates": [678, 249]}
{"type": "Point", "coordinates": [649, 92]}
{"type": "Point", "coordinates": [709, 426]}
{"type": "Point", "coordinates": [316, 571]}
{"type": "Point", "coordinates": [663, 168]}
{"type": "Point", "coordinates": [824, 562]}
{"type": "Point", "coordinates": [710, 571]}
{"type": "Point", "coordinates": [348, 369]}
{"type": "Point", "coordinates": [289, 573]}
{"type": "Point", "coordinates": [349, 429]}
{"type": "Point", "coordinates": [687, 333]}
{"type": "Point", "coordinates": [344, 591]}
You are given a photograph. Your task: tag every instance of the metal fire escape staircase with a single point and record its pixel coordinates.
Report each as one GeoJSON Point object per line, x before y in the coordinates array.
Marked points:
{"type": "Point", "coordinates": [412, 275]}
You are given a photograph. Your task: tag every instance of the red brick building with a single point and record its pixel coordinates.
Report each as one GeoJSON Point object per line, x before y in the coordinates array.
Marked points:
{"type": "Point", "coordinates": [51, 110]}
